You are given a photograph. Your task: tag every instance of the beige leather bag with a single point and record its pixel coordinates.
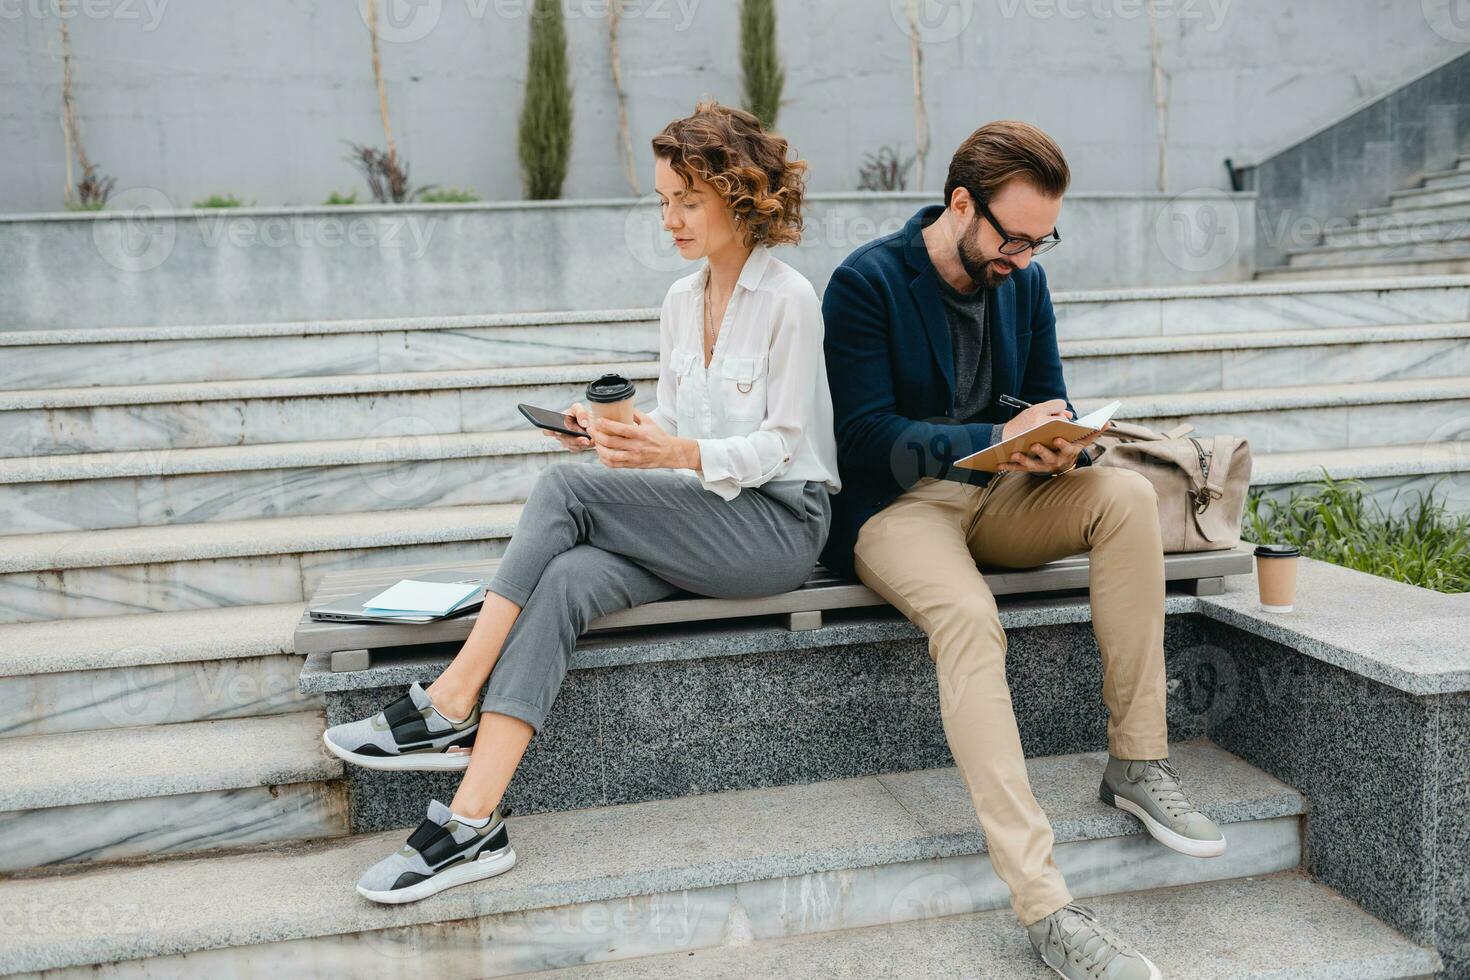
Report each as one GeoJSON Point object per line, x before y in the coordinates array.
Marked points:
{"type": "Point", "coordinates": [1201, 482]}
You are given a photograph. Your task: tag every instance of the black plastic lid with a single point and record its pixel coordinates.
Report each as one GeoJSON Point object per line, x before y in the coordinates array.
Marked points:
{"type": "Point", "coordinates": [1277, 551]}
{"type": "Point", "coordinates": [610, 388]}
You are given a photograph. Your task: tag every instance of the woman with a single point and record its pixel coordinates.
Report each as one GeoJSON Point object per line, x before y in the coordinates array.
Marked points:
{"type": "Point", "coordinates": [722, 490]}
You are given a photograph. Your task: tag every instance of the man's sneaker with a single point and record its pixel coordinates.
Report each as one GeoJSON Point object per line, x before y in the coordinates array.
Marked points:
{"type": "Point", "coordinates": [441, 853]}
{"type": "Point", "coordinates": [410, 733]}
{"type": "Point", "coordinates": [1153, 792]}
{"type": "Point", "coordinates": [1072, 942]}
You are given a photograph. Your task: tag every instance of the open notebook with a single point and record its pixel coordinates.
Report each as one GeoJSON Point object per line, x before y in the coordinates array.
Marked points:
{"type": "Point", "coordinates": [988, 460]}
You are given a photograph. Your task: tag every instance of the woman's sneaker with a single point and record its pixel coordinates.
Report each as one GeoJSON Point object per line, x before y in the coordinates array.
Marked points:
{"type": "Point", "coordinates": [410, 733]}
{"type": "Point", "coordinates": [443, 852]}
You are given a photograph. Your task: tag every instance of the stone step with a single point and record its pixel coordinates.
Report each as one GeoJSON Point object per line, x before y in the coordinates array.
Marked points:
{"type": "Point", "coordinates": [227, 413]}
{"type": "Point", "coordinates": [81, 574]}
{"type": "Point", "coordinates": [129, 357]}
{"type": "Point", "coordinates": [167, 487]}
{"type": "Point", "coordinates": [631, 880]}
{"type": "Point", "coordinates": [1387, 299]}
{"type": "Point", "coordinates": [74, 675]}
{"type": "Point", "coordinates": [65, 574]}
{"type": "Point", "coordinates": [1371, 218]}
{"type": "Point", "coordinates": [1307, 417]}
{"type": "Point", "coordinates": [1440, 179]}
{"type": "Point", "coordinates": [1403, 228]}
{"type": "Point", "coordinates": [242, 352]}
{"type": "Point", "coordinates": [153, 487]}
{"type": "Point", "coordinates": [1338, 275]}
{"type": "Point", "coordinates": [1282, 926]}
{"type": "Point", "coordinates": [1419, 251]}
{"type": "Point", "coordinates": [1430, 196]}
{"type": "Point", "coordinates": [167, 789]}
{"type": "Point", "coordinates": [1393, 474]}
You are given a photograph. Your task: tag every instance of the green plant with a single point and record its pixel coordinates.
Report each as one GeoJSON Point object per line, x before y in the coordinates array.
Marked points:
{"type": "Point", "coordinates": [545, 144]}
{"type": "Point", "coordinates": [336, 197]}
{"type": "Point", "coordinates": [221, 201]}
{"type": "Point", "coordinates": [448, 195]}
{"type": "Point", "coordinates": [762, 76]}
{"type": "Point", "coordinates": [1341, 522]}
{"type": "Point", "coordinates": [884, 171]}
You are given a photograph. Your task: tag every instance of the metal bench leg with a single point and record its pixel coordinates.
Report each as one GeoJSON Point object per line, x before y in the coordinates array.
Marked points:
{"type": "Point", "coordinates": [799, 621]}
{"type": "Point", "coordinates": [343, 660]}
{"type": "Point", "coordinates": [1213, 585]}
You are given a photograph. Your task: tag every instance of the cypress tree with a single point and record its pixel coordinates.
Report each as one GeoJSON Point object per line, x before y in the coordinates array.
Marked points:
{"type": "Point", "coordinates": [546, 115]}
{"type": "Point", "coordinates": [760, 66]}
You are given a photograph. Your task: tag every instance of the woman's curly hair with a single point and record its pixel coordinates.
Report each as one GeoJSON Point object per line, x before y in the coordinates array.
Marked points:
{"type": "Point", "coordinates": [747, 166]}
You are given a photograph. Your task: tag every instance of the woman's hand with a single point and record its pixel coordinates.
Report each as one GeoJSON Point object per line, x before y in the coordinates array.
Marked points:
{"type": "Point", "coordinates": [642, 445]}
{"type": "Point", "coordinates": [576, 444]}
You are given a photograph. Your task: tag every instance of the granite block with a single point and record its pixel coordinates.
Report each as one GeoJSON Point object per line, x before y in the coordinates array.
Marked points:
{"type": "Point", "coordinates": [1385, 772]}
{"type": "Point", "coordinates": [737, 719]}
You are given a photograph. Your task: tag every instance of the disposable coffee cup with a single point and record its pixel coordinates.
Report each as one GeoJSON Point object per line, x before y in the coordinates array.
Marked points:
{"type": "Point", "coordinates": [611, 397]}
{"type": "Point", "coordinates": [1276, 566]}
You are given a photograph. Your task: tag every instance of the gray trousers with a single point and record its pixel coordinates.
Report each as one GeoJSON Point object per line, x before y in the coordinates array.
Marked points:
{"type": "Point", "coordinates": [593, 540]}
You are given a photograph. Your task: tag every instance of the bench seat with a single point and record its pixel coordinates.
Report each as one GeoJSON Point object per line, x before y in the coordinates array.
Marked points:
{"type": "Point", "coordinates": [351, 645]}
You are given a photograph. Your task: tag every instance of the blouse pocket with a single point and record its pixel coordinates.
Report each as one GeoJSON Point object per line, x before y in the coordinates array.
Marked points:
{"type": "Point", "coordinates": [743, 388]}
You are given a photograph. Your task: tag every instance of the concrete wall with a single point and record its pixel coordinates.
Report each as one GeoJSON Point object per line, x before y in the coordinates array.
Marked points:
{"type": "Point", "coordinates": [1322, 182]}
{"type": "Point", "coordinates": [256, 99]}
{"type": "Point", "coordinates": [146, 266]}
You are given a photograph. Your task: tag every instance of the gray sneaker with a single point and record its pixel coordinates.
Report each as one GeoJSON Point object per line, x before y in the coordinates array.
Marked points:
{"type": "Point", "coordinates": [1072, 942]}
{"type": "Point", "coordinates": [440, 854]}
{"type": "Point", "coordinates": [410, 733]}
{"type": "Point", "coordinates": [1153, 792]}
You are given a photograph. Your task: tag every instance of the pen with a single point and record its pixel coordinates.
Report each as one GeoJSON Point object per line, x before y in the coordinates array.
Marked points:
{"type": "Point", "coordinates": [1017, 403]}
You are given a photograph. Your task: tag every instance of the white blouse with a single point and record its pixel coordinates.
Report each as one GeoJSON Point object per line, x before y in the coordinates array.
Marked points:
{"type": "Point", "coordinates": [762, 410]}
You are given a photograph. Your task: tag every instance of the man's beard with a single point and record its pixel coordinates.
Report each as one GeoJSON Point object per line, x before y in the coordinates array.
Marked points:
{"type": "Point", "coordinates": [977, 267]}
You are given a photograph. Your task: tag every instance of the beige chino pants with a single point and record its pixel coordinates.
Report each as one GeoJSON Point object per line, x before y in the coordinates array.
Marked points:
{"type": "Point", "coordinates": [920, 554]}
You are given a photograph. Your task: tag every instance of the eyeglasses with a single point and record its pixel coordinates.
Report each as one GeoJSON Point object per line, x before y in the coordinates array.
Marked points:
{"type": "Point", "coordinates": [1012, 244]}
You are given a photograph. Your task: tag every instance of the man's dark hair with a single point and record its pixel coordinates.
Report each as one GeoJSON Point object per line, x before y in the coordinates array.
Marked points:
{"type": "Point", "coordinates": [1004, 150]}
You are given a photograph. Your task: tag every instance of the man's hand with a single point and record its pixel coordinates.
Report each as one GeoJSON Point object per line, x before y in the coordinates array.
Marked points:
{"type": "Point", "coordinates": [1063, 454]}
{"type": "Point", "coordinates": [642, 445]}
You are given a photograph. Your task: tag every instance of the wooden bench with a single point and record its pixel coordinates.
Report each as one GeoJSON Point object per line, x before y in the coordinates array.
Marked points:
{"type": "Point", "coordinates": [351, 645]}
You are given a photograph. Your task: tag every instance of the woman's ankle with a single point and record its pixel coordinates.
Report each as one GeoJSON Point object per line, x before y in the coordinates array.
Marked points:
{"type": "Point", "coordinates": [452, 704]}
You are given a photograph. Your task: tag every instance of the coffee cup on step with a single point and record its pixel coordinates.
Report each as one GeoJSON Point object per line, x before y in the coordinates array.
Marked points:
{"type": "Point", "coordinates": [1276, 566]}
{"type": "Point", "coordinates": [611, 397]}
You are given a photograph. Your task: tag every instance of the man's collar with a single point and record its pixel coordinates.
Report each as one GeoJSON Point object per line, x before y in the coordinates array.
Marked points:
{"type": "Point", "coordinates": [914, 250]}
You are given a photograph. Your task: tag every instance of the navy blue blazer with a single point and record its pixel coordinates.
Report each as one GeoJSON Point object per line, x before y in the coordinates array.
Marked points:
{"type": "Point", "coordinates": [890, 363]}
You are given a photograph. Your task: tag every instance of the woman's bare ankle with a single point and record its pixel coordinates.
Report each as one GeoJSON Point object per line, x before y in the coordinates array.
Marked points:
{"type": "Point", "coordinates": [449, 703]}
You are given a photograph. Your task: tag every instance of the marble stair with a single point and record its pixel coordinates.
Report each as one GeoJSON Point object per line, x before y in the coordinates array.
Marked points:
{"type": "Point", "coordinates": [1423, 231]}
{"type": "Point", "coordinates": [170, 496]}
{"type": "Point", "coordinates": [763, 878]}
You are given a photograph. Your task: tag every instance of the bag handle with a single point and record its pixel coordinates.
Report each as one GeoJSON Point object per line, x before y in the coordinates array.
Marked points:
{"type": "Point", "coordinates": [1214, 467]}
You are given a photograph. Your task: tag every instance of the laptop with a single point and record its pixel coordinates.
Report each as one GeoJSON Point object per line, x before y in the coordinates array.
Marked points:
{"type": "Point", "coordinates": [348, 609]}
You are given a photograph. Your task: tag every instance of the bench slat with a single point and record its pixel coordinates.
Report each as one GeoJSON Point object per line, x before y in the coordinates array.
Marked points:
{"type": "Point", "coordinates": [822, 592]}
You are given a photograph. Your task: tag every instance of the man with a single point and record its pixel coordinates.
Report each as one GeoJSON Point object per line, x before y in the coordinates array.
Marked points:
{"type": "Point", "coordinates": [925, 330]}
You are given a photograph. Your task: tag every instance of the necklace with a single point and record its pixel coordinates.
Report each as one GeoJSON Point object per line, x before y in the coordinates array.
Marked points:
{"type": "Point", "coordinates": [710, 336]}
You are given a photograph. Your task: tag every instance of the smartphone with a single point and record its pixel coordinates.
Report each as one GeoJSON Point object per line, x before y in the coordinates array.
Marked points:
{"type": "Point", "coordinates": [561, 422]}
